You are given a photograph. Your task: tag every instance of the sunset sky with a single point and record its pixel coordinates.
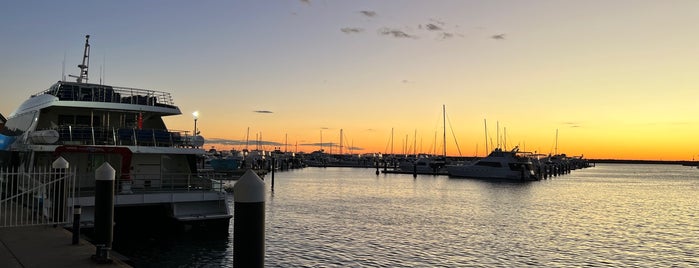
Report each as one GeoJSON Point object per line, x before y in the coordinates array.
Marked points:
{"type": "Point", "coordinates": [617, 79]}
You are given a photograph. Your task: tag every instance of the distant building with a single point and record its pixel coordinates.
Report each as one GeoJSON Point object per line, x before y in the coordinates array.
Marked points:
{"type": "Point", "coordinates": [2, 121]}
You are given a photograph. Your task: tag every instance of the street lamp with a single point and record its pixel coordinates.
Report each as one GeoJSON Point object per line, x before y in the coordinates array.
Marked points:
{"type": "Point", "coordinates": [196, 116]}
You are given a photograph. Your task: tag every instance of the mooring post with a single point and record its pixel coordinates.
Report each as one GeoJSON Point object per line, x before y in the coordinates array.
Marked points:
{"type": "Point", "coordinates": [104, 212]}
{"type": "Point", "coordinates": [249, 221]}
{"type": "Point", "coordinates": [273, 168]}
{"type": "Point", "coordinates": [77, 210]}
{"type": "Point", "coordinates": [414, 170]}
{"type": "Point", "coordinates": [60, 165]}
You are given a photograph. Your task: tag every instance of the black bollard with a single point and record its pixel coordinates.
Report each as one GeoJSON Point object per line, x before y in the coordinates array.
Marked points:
{"type": "Point", "coordinates": [414, 170]}
{"type": "Point", "coordinates": [76, 224]}
{"type": "Point", "coordinates": [60, 165]}
{"type": "Point", "coordinates": [249, 221]}
{"type": "Point", "coordinates": [377, 168]}
{"type": "Point", "coordinates": [104, 212]}
{"type": "Point", "coordinates": [273, 167]}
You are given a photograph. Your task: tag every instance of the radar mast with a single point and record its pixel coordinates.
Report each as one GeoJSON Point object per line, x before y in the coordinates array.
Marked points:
{"type": "Point", "coordinates": [86, 62]}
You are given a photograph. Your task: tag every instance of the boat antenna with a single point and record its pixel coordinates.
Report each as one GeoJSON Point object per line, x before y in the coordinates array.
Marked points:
{"type": "Point", "coordinates": [86, 62]}
{"type": "Point", "coordinates": [63, 68]}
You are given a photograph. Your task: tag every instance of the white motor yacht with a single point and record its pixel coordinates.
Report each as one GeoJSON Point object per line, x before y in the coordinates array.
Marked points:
{"type": "Point", "coordinates": [498, 165]}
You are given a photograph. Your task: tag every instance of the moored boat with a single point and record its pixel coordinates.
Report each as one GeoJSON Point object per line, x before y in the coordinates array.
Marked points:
{"type": "Point", "coordinates": [424, 164]}
{"type": "Point", "coordinates": [90, 124]}
{"type": "Point", "coordinates": [498, 165]}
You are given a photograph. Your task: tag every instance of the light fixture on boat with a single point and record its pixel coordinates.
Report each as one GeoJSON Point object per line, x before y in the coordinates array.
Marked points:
{"type": "Point", "coordinates": [195, 114]}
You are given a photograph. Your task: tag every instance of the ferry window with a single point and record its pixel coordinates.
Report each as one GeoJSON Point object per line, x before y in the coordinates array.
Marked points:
{"type": "Point", "coordinates": [66, 92]}
{"type": "Point", "coordinates": [20, 123]}
{"type": "Point", "coordinates": [65, 120]}
{"type": "Point", "coordinates": [489, 164]}
{"type": "Point", "coordinates": [85, 94]}
{"type": "Point", "coordinates": [82, 120]}
{"type": "Point", "coordinates": [96, 121]}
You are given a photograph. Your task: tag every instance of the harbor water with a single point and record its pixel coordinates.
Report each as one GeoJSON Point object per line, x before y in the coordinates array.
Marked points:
{"type": "Point", "coordinates": [609, 215]}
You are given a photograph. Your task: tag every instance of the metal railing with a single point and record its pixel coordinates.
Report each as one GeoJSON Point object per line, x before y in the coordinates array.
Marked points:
{"type": "Point", "coordinates": [102, 93]}
{"type": "Point", "coordinates": [85, 135]}
{"type": "Point", "coordinates": [37, 197]}
{"type": "Point", "coordinates": [147, 183]}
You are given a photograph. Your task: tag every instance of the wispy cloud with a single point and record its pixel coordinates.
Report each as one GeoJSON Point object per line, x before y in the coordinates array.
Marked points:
{"type": "Point", "coordinates": [368, 13]}
{"type": "Point", "coordinates": [432, 27]}
{"type": "Point", "coordinates": [318, 144]}
{"type": "Point", "coordinates": [263, 112]}
{"type": "Point", "coordinates": [349, 30]}
{"type": "Point", "coordinates": [224, 141]}
{"type": "Point", "coordinates": [572, 124]}
{"type": "Point", "coordinates": [241, 142]}
{"type": "Point", "coordinates": [498, 36]}
{"type": "Point", "coordinates": [445, 35]}
{"type": "Point", "coordinates": [396, 33]}
{"type": "Point", "coordinates": [307, 2]}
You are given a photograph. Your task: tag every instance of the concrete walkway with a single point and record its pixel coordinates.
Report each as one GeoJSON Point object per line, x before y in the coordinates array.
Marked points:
{"type": "Point", "coordinates": [46, 246]}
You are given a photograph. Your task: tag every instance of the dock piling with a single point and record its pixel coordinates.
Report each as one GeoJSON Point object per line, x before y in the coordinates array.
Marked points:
{"type": "Point", "coordinates": [77, 210]}
{"type": "Point", "coordinates": [249, 221]}
{"type": "Point", "coordinates": [104, 212]}
{"type": "Point", "coordinates": [60, 167]}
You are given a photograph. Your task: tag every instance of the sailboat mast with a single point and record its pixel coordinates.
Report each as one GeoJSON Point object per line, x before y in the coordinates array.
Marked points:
{"type": "Point", "coordinates": [247, 139]}
{"type": "Point", "coordinates": [340, 141]}
{"type": "Point", "coordinates": [485, 124]}
{"type": "Point", "coordinates": [504, 138]}
{"type": "Point", "coordinates": [444, 129]}
{"type": "Point", "coordinates": [415, 143]}
{"type": "Point", "coordinates": [497, 133]}
{"type": "Point", "coordinates": [391, 141]}
{"type": "Point", "coordinates": [556, 149]}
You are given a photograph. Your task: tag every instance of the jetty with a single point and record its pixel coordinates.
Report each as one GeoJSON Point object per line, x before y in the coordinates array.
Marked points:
{"type": "Point", "coordinates": [47, 246]}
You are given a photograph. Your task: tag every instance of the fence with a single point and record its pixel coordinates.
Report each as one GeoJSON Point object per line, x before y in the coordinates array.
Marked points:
{"type": "Point", "coordinates": [36, 197]}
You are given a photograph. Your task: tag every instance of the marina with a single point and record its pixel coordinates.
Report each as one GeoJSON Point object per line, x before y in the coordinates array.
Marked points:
{"type": "Point", "coordinates": [609, 215]}
{"type": "Point", "coordinates": [317, 142]}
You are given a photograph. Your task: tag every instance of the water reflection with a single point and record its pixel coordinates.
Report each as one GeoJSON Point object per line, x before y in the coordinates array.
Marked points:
{"type": "Point", "coordinates": [610, 215]}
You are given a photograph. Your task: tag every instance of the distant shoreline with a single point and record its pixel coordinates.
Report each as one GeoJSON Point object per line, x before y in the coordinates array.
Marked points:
{"type": "Point", "coordinates": [664, 162]}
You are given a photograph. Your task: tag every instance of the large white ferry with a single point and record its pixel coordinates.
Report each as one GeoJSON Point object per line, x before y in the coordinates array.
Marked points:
{"type": "Point", "coordinates": [89, 124]}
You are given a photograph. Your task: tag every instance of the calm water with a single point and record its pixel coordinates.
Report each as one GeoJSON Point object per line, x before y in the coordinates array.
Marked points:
{"type": "Point", "coordinates": [609, 215]}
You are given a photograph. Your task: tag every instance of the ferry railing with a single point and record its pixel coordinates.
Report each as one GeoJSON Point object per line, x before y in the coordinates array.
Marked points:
{"type": "Point", "coordinates": [145, 183]}
{"type": "Point", "coordinates": [78, 135]}
{"type": "Point", "coordinates": [37, 197]}
{"type": "Point", "coordinates": [111, 94]}
{"type": "Point", "coordinates": [159, 182]}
